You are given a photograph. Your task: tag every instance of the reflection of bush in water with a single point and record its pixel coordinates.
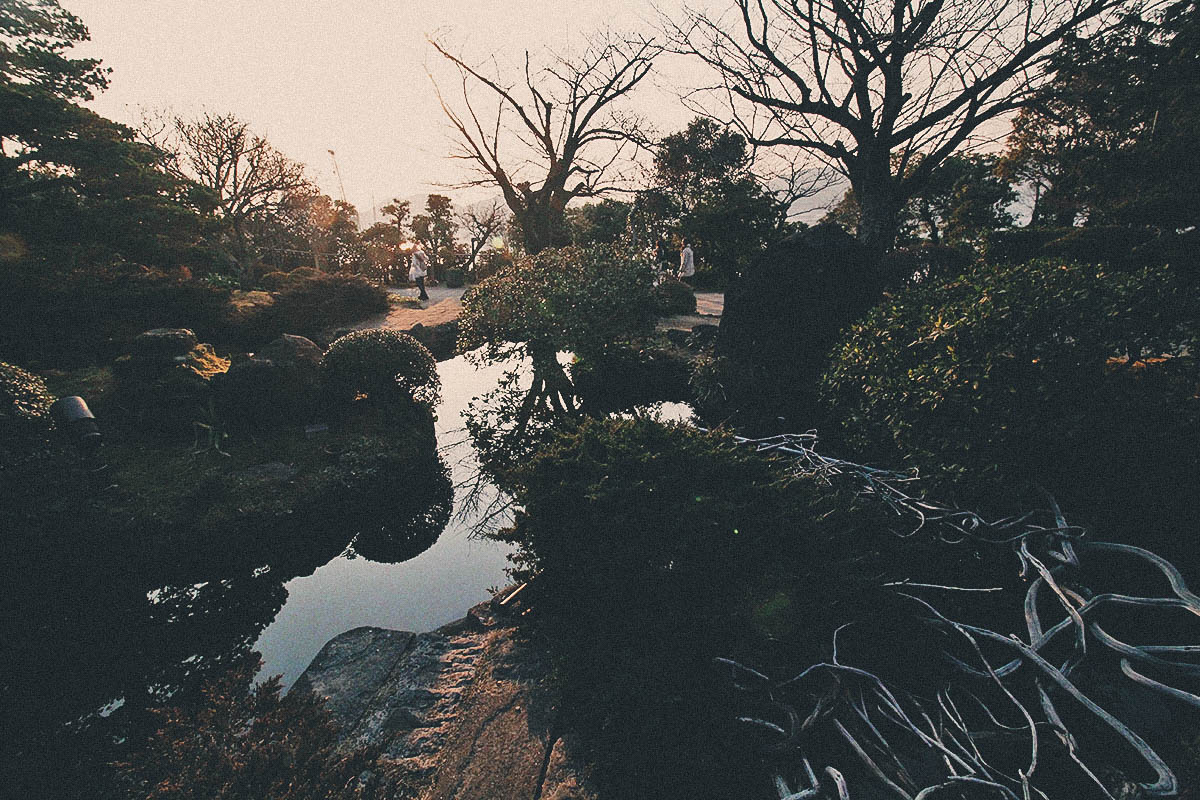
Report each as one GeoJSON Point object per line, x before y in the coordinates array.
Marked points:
{"type": "Point", "coordinates": [416, 517]}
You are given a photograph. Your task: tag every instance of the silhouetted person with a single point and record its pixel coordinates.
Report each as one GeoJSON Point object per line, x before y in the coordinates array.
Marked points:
{"type": "Point", "coordinates": [687, 263]}
{"type": "Point", "coordinates": [418, 270]}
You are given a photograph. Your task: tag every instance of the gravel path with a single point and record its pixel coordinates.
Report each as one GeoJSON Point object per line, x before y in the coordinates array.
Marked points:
{"type": "Point", "coordinates": [445, 304]}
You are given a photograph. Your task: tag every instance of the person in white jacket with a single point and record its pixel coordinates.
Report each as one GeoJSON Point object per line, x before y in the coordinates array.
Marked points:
{"type": "Point", "coordinates": [419, 269]}
{"type": "Point", "coordinates": [687, 262]}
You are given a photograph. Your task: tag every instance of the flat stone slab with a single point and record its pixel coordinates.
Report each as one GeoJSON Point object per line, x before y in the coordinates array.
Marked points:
{"type": "Point", "coordinates": [351, 668]}
{"type": "Point", "coordinates": [462, 713]}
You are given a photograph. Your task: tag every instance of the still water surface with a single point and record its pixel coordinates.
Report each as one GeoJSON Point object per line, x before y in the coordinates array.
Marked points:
{"type": "Point", "coordinates": [420, 594]}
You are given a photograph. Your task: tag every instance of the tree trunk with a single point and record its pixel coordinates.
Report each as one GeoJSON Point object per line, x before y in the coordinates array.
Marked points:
{"type": "Point", "coordinates": [880, 215]}
{"type": "Point", "coordinates": [879, 203]}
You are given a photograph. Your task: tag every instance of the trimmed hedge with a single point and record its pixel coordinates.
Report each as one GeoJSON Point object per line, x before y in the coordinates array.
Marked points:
{"type": "Point", "coordinates": [309, 304]}
{"type": "Point", "coordinates": [382, 367]}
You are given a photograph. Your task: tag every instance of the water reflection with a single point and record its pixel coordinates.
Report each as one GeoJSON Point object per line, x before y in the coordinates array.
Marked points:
{"type": "Point", "coordinates": [93, 638]}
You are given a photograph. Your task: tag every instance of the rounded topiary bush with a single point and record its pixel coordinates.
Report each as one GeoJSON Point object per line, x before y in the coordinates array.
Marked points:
{"type": "Point", "coordinates": [1011, 379]}
{"type": "Point", "coordinates": [25, 423]}
{"type": "Point", "coordinates": [382, 367]}
{"type": "Point", "coordinates": [673, 296]}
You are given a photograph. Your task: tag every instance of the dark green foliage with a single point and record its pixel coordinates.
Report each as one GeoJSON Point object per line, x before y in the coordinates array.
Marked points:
{"type": "Point", "coordinates": [925, 262]}
{"type": "Point", "coordinates": [783, 316]}
{"type": "Point", "coordinates": [576, 299]}
{"type": "Point", "coordinates": [1017, 377]}
{"type": "Point", "coordinates": [703, 190]}
{"type": "Point", "coordinates": [672, 296]}
{"type": "Point", "coordinates": [658, 547]}
{"type": "Point", "coordinates": [962, 200]}
{"type": "Point", "coordinates": [279, 387]}
{"type": "Point", "coordinates": [604, 222]}
{"type": "Point", "coordinates": [587, 301]}
{"type": "Point", "coordinates": [383, 367]}
{"type": "Point", "coordinates": [243, 741]}
{"type": "Point", "coordinates": [25, 424]}
{"type": "Point", "coordinates": [76, 188]}
{"type": "Point", "coordinates": [649, 541]}
{"type": "Point", "coordinates": [1099, 244]}
{"type": "Point", "coordinates": [1018, 245]}
{"type": "Point", "coordinates": [453, 278]}
{"type": "Point", "coordinates": [311, 305]}
{"type": "Point", "coordinates": [86, 317]}
{"type": "Point", "coordinates": [1112, 137]}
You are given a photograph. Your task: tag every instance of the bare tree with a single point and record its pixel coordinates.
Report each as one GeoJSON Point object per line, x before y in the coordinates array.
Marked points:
{"type": "Point", "coordinates": [481, 222]}
{"type": "Point", "coordinates": [567, 134]}
{"type": "Point", "coordinates": [249, 179]}
{"type": "Point", "coordinates": [881, 90]}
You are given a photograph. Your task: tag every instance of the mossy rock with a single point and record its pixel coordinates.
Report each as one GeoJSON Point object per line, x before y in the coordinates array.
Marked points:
{"type": "Point", "coordinates": [25, 424]}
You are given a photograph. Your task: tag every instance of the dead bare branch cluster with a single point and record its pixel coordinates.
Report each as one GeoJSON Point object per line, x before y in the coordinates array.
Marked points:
{"type": "Point", "coordinates": [560, 121]}
{"type": "Point", "coordinates": [987, 713]}
{"type": "Point", "coordinates": [880, 90]}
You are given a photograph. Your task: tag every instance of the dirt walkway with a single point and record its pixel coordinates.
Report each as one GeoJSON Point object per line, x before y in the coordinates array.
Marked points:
{"type": "Point", "coordinates": [445, 304]}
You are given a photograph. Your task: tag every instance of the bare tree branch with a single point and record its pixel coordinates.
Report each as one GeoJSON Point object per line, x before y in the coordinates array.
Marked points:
{"type": "Point", "coordinates": [568, 134]}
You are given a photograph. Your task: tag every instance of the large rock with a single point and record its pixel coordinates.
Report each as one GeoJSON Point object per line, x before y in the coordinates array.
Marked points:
{"type": "Point", "coordinates": [783, 316]}
{"type": "Point", "coordinates": [280, 386]}
{"type": "Point", "coordinates": [162, 344]}
{"type": "Point", "coordinates": [441, 340]}
{"type": "Point", "coordinates": [463, 713]}
{"type": "Point", "coordinates": [293, 351]}
{"type": "Point", "coordinates": [168, 388]}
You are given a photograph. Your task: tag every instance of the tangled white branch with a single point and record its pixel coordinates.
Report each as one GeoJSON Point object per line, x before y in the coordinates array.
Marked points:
{"type": "Point", "coordinates": [1011, 716]}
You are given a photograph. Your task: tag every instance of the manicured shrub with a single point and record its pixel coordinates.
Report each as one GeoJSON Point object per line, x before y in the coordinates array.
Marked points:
{"type": "Point", "coordinates": [89, 317]}
{"type": "Point", "coordinates": [383, 367]}
{"type": "Point", "coordinates": [454, 278]}
{"type": "Point", "coordinates": [1012, 378]}
{"type": "Point", "coordinates": [673, 296]}
{"type": "Point", "coordinates": [310, 305]}
{"type": "Point", "coordinates": [783, 315]}
{"type": "Point", "coordinates": [570, 298]}
{"type": "Point", "coordinates": [274, 281]}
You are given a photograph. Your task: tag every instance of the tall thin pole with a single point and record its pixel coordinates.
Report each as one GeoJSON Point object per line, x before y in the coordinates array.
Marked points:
{"type": "Point", "coordinates": [338, 172]}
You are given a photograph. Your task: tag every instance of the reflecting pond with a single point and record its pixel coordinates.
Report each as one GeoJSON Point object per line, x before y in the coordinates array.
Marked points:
{"type": "Point", "coordinates": [91, 635]}
{"type": "Point", "coordinates": [425, 592]}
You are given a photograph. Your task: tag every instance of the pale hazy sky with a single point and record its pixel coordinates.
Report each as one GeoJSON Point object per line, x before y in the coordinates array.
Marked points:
{"type": "Point", "coordinates": [342, 75]}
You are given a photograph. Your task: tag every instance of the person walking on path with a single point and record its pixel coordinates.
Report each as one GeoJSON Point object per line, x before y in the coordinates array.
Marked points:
{"type": "Point", "coordinates": [418, 270]}
{"type": "Point", "coordinates": [687, 263]}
